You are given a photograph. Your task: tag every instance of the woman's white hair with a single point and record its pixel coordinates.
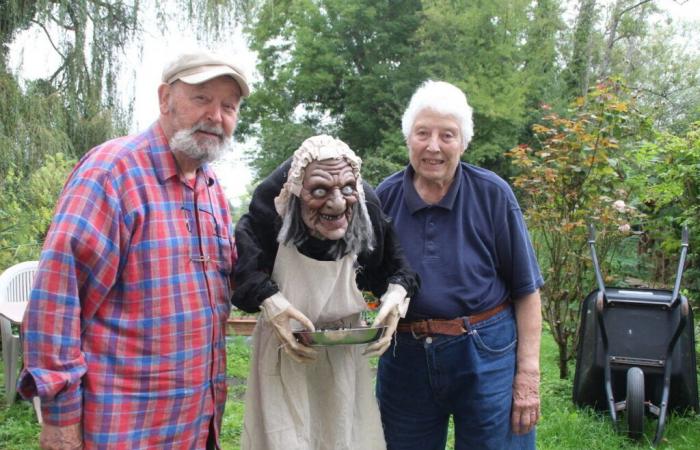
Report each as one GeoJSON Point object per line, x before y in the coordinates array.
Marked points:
{"type": "Point", "coordinates": [443, 98]}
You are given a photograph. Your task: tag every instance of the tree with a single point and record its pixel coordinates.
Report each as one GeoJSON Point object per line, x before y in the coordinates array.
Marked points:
{"type": "Point", "coordinates": [349, 68]}
{"type": "Point", "coordinates": [27, 208]}
{"type": "Point", "coordinates": [634, 40]}
{"type": "Point", "coordinates": [15, 15]}
{"type": "Point", "coordinates": [77, 106]}
{"type": "Point", "coordinates": [541, 54]}
{"type": "Point", "coordinates": [571, 177]}
{"type": "Point", "coordinates": [62, 115]}
{"type": "Point", "coordinates": [664, 72]}
{"type": "Point", "coordinates": [667, 183]}
{"type": "Point", "coordinates": [483, 48]}
{"type": "Point", "coordinates": [329, 66]}
{"type": "Point", "coordinates": [579, 67]}
{"type": "Point", "coordinates": [90, 36]}
{"type": "Point", "coordinates": [621, 26]}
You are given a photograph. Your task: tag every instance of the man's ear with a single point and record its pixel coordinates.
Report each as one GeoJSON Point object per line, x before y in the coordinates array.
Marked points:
{"type": "Point", "coordinates": [164, 93]}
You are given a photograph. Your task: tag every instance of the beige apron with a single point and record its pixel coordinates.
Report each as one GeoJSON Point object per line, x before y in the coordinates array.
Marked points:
{"type": "Point", "coordinates": [327, 404]}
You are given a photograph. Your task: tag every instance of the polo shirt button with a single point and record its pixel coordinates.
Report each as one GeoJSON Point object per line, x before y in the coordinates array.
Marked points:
{"type": "Point", "coordinates": [428, 340]}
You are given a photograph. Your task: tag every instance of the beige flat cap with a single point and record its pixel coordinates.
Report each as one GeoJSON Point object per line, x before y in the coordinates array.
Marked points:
{"type": "Point", "coordinates": [198, 66]}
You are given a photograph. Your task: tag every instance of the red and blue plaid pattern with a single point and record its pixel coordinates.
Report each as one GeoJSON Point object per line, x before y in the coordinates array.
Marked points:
{"type": "Point", "coordinates": [125, 327]}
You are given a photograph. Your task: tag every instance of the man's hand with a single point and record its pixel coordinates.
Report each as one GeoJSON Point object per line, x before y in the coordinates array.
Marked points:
{"type": "Point", "coordinates": [394, 305]}
{"type": "Point", "coordinates": [61, 438]}
{"type": "Point", "coordinates": [278, 311]}
{"type": "Point", "coordinates": [526, 402]}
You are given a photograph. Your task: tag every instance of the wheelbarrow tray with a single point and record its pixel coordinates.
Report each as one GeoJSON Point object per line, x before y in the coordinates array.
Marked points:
{"type": "Point", "coordinates": [640, 325]}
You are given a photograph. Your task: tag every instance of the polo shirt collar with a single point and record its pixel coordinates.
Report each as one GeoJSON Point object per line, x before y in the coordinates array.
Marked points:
{"type": "Point", "coordinates": [164, 160]}
{"type": "Point", "coordinates": [415, 203]}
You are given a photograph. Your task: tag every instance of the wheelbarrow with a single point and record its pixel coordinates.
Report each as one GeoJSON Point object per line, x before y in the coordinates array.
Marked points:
{"type": "Point", "coordinates": [636, 351]}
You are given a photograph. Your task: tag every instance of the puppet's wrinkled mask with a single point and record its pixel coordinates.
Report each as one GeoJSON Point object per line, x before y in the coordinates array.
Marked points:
{"type": "Point", "coordinates": [328, 194]}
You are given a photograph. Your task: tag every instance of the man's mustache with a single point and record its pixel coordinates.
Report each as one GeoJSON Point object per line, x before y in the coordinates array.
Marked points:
{"type": "Point", "coordinates": [213, 129]}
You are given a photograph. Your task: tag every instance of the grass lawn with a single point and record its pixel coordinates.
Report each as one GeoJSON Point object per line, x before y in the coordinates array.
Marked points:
{"type": "Point", "coordinates": [563, 426]}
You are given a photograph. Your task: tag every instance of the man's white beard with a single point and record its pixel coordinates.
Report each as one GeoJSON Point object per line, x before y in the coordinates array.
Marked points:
{"type": "Point", "coordinates": [184, 142]}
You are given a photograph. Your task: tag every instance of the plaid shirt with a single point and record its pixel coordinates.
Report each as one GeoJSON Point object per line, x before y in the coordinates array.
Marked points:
{"type": "Point", "coordinates": [125, 327]}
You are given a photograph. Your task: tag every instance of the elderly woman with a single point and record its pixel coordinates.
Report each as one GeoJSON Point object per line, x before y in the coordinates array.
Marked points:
{"type": "Point", "coordinates": [313, 238]}
{"type": "Point", "coordinates": [469, 344]}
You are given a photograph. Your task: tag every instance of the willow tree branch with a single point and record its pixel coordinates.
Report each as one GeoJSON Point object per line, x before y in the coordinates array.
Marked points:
{"type": "Point", "coordinates": [48, 36]}
{"type": "Point", "coordinates": [629, 8]}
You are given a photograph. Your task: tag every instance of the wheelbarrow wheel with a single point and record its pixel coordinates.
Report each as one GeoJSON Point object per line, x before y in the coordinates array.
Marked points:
{"type": "Point", "coordinates": [635, 403]}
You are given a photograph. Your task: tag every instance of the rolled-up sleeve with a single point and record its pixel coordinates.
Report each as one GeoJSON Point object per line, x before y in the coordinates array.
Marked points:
{"type": "Point", "coordinates": [79, 265]}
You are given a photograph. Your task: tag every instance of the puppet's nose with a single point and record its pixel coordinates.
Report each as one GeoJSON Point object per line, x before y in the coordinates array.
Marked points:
{"type": "Point", "coordinates": [336, 200]}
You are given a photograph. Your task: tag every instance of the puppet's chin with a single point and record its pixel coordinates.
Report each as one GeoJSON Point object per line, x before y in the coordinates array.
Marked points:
{"type": "Point", "coordinates": [332, 235]}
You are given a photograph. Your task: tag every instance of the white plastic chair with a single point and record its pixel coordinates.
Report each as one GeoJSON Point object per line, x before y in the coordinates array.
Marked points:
{"type": "Point", "coordinates": [15, 286]}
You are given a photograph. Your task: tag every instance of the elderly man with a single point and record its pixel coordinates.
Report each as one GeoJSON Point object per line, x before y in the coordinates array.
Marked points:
{"type": "Point", "coordinates": [313, 238]}
{"type": "Point", "coordinates": [124, 333]}
{"type": "Point", "coordinates": [469, 345]}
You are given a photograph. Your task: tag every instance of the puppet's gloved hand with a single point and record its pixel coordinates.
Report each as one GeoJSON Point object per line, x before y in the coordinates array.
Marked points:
{"type": "Point", "coordinates": [279, 312]}
{"type": "Point", "coordinates": [394, 305]}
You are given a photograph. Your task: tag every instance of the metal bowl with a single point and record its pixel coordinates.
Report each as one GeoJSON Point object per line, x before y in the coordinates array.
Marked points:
{"type": "Point", "coordinates": [342, 336]}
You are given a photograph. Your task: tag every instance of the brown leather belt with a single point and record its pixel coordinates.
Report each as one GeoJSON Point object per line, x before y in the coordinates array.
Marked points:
{"type": "Point", "coordinates": [450, 327]}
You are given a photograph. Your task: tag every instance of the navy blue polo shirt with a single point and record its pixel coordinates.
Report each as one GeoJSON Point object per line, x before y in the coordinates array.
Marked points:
{"type": "Point", "coordinates": [472, 250]}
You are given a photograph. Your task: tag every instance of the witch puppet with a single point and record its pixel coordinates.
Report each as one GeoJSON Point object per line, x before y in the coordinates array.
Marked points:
{"type": "Point", "coordinates": [313, 239]}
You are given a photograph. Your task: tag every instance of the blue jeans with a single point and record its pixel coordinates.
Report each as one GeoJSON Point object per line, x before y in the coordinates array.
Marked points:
{"type": "Point", "coordinates": [422, 381]}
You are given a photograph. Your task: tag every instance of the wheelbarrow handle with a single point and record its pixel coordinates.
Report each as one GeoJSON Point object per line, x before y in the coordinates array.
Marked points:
{"type": "Point", "coordinates": [663, 406]}
{"type": "Point", "coordinates": [607, 370]}
{"type": "Point", "coordinates": [594, 259]}
{"type": "Point", "coordinates": [681, 264]}
{"type": "Point", "coordinates": [591, 233]}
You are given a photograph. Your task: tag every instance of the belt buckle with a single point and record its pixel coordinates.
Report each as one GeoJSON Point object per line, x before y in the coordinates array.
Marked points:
{"type": "Point", "coordinates": [413, 331]}
{"type": "Point", "coordinates": [466, 326]}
